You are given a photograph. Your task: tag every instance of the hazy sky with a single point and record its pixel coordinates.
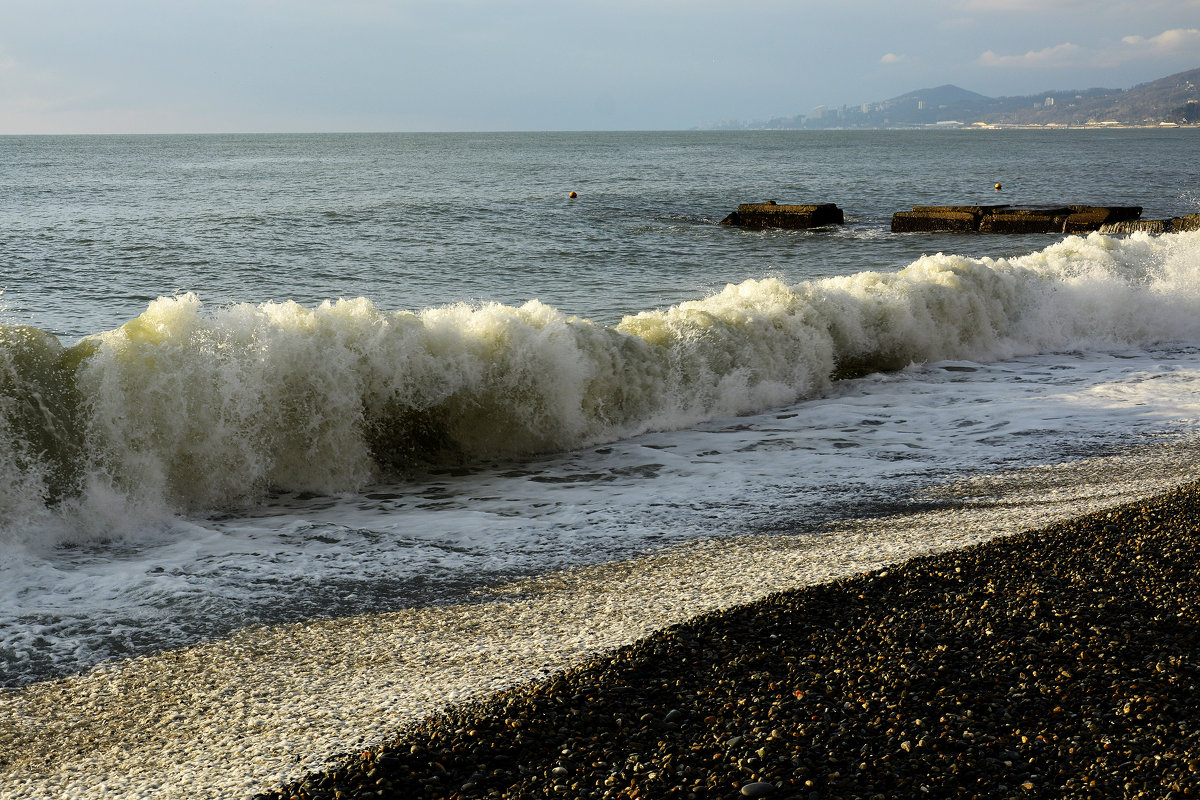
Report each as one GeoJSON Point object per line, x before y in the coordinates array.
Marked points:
{"type": "Point", "coordinates": [397, 65]}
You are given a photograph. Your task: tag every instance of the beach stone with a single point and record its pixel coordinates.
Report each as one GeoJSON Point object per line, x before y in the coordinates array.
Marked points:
{"type": "Point", "coordinates": [758, 789]}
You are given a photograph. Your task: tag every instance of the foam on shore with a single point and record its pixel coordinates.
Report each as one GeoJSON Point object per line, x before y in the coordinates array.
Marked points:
{"type": "Point", "coordinates": [1057, 663]}
{"type": "Point", "coordinates": [265, 706]}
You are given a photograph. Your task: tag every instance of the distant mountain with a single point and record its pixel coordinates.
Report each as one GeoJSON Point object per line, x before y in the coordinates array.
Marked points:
{"type": "Point", "coordinates": [942, 96]}
{"type": "Point", "coordinates": [1173, 99]}
{"type": "Point", "coordinates": [1163, 100]}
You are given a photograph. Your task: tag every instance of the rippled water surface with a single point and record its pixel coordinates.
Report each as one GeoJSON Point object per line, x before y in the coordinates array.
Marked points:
{"type": "Point", "coordinates": [92, 228]}
{"type": "Point", "coordinates": [239, 453]}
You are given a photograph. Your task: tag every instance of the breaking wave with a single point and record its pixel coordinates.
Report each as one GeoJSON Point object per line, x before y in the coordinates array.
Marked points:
{"type": "Point", "coordinates": [188, 408]}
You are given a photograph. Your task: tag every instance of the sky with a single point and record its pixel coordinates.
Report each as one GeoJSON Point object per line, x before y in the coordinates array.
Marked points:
{"type": "Point", "coordinates": [216, 66]}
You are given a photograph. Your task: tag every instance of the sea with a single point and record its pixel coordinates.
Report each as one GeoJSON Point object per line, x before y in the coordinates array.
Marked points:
{"type": "Point", "coordinates": [407, 397]}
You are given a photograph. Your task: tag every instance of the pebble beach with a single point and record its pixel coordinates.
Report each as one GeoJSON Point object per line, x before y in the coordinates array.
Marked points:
{"type": "Point", "coordinates": [576, 520]}
{"type": "Point", "coordinates": [730, 646]}
{"type": "Point", "coordinates": [1061, 663]}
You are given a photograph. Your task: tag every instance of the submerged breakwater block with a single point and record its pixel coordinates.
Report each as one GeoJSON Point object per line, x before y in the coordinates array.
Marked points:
{"type": "Point", "coordinates": [1190, 222]}
{"type": "Point", "coordinates": [770, 214]}
{"type": "Point", "coordinates": [1051, 219]}
{"type": "Point", "coordinates": [941, 218]}
{"type": "Point", "coordinates": [978, 211]}
{"type": "Point", "coordinates": [1085, 219]}
{"type": "Point", "coordinates": [1137, 225]}
{"type": "Point", "coordinates": [912, 221]}
{"type": "Point", "coordinates": [1011, 219]}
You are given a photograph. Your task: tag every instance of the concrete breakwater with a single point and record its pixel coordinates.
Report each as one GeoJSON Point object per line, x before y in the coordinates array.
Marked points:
{"type": "Point", "coordinates": [1188, 222]}
{"type": "Point", "coordinates": [769, 214]}
{"type": "Point", "coordinates": [1000, 218]}
{"type": "Point", "coordinates": [1011, 219]}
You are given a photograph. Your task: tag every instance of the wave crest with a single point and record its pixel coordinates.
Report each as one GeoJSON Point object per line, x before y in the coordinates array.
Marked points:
{"type": "Point", "coordinates": [210, 409]}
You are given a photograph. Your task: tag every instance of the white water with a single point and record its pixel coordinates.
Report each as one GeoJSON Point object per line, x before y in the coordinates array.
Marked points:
{"type": "Point", "coordinates": [1083, 351]}
{"type": "Point", "coordinates": [1083, 347]}
{"type": "Point", "coordinates": [179, 409]}
{"type": "Point", "coordinates": [264, 706]}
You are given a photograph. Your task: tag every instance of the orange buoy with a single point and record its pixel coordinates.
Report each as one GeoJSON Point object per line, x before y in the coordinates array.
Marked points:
{"type": "Point", "coordinates": [997, 187]}
{"type": "Point", "coordinates": [572, 195]}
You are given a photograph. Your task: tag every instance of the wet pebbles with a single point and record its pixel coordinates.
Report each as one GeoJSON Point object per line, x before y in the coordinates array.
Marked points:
{"type": "Point", "coordinates": [1062, 663]}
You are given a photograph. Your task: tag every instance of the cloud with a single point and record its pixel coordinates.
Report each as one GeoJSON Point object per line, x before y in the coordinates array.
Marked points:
{"type": "Point", "coordinates": [1060, 55]}
{"type": "Point", "coordinates": [1042, 7]}
{"type": "Point", "coordinates": [1166, 43]}
{"type": "Point", "coordinates": [892, 58]}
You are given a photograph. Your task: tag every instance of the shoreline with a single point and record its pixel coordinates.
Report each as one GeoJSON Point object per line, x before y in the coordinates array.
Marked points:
{"type": "Point", "coordinates": [1050, 663]}
{"type": "Point", "coordinates": [265, 707]}
{"type": "Point", "coordinates": [987, 126]}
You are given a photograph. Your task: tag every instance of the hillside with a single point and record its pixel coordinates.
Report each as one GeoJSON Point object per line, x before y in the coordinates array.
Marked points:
{"type": "Point", "coordinates": [1173, 99]}
{"type": "Point", "coordinates": [1146, 104]}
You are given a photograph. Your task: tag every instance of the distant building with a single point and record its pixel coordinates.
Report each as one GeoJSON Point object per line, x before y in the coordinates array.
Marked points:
{"type": "Point", "coordinates": [1049, 101]}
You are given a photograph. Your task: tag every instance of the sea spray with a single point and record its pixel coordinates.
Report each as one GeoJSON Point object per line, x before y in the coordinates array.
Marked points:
{"type": "Point", "coordinates": [203, 409]}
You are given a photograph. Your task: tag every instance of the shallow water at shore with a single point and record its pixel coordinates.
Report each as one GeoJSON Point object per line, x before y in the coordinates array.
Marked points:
{"type": "Point", "coordinates": [440, 539]}
{"type": "Point", "coordinates": [1051, 664]}
{"type": "Point", "coordinates": [265, 522]}
{"type": "Point", "coordinates": [236, 716]}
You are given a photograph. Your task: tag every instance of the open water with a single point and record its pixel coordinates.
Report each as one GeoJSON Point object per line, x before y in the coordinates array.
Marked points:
{"type": "Point", "coordinates": [256, 380]}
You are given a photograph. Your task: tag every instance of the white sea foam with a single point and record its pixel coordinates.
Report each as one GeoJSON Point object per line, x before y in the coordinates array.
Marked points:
{"type": "Point", "coordinates": [1067, 377]}
{"type": "Point", "coordinates": [868, 445]}
{"type": "Point", "coordinates": [234, 536]}
{"type": "Point", "coordinates": [264, 706]}
{"type": "Point", "coordinates": [246, 408]}
{"type": "Point", "coordinates": [184, 408]}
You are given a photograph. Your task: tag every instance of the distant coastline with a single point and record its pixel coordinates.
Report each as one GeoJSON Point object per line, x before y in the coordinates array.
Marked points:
{"type": "Point", "coordinates": [1054, 126]}
{"type": "Point", "coordinates": [1087, 126]}
{"type": "Point", "coordinates": [1003, 126]}
{"type": "Point", "coordinates": [1173, 101]}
